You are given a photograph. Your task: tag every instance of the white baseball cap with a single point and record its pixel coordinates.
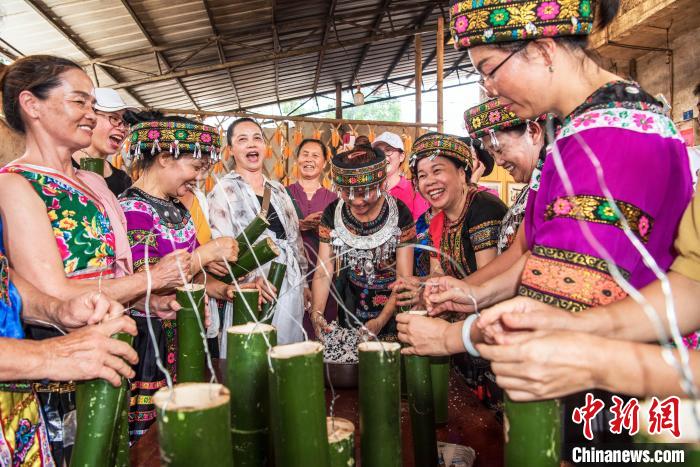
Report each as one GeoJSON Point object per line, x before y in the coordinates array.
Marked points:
{"type": "Point", "coordinates": [391, 139]}
{"type": "Point", "coordinates": [109, 100]}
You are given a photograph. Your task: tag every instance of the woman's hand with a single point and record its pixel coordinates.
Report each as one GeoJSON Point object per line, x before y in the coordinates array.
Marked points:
{"type": "Point", "coordinates": [408, 291]}
{"type": "Point", "coordinates": [219, 250]}
{"type": "Point", "coordinates": [448, 294]}
{"type": "Point", "coordinates": [544, 365]}
{"type": "Point", "coordinates": [423, 335]}
{"type": "Point", "coordinates": [310, 222]}
{"type": "Point", "coordinates": [90, 353]}
{"type": "Point", "coordinates": [319, 323]}
{"type": "Point", "coordinates": [167, 273]}
{"type": "Point", "coordinates": [374, 326]}
{"type": "Point", "coordinates": [522, 313]}
{"type": "Point", "coordinates": [86, 308]}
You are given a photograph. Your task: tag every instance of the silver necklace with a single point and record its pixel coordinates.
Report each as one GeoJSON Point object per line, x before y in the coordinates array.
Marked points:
{"type": "Point", "coordinates": [364, 253]}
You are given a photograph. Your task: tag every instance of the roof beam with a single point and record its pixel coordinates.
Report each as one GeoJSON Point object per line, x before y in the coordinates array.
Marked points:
{"type": "Point", "coordinates": [220, 51]}
{"type": "Point", "coordinates": [267, 56]}
{"type": "Point", "coordinates": [407, 43]}
{"type": "Point", "coordinates": [324, 41]}
{"type": "Point", "coordinates": [150, 40]}
{"type": "Point", "coordinates": [276, 48]}
{"type": "Point", "coordinates": [48, 16]}
{"type": "Point", "coordinates": [377, 23]}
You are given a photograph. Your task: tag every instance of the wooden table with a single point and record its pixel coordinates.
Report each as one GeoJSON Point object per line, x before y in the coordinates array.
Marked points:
{"type": "Point", "coordinates": [469, 424]}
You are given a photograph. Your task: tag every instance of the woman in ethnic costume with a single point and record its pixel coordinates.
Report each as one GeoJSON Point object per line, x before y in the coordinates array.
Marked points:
{"type": "Point", "coordinates": [63, 226]}
{"type": "Point", "coordinates": [236, 200]}
{"type": "Point", "coordinates": [173, 154]}
{"type": "Point", "coordinates": [23, 437]}
{"type": "Point", "coordinates": [366, 243]}
{"type": "Point", "coordinates": [311, 198]}
{"type": "Point", "coordinates": [535, 62]}
{"type": "Point", "coordinates": [468, 220]}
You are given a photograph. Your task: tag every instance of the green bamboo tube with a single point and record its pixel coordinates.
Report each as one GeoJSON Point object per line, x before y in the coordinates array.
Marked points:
{"type": "Point", "coordinates": [99, 406]}
{"type": "Point", "coordinates": [247, 377]}
{"type": "Point", "coordinates": [440, 377]}
{"type": "Point", "coordinates": [120, 446]}
{"type": "Point", "coordinates": [93, 164]}
{"type": "Point", "coordinates": [532, 433]}
{"type": "Point", "coordinates": [265, 251]}
{"type": "Point", "coordinates": [251, 234]}
{"type": "Point", "coordinates": [190, 345]}
{"type": "Point", "coordinates": [341, 442]}
{"type": "Point", "coordinates": [275, 276]}
{"type": "Point", "coordinates": [380, 403]}
{"type": "Point", "coordinates": [420, 402]}
{"type": "Point", "coordinates": [194, 425]}
{"type": "Point", "coordinates": [245, 303]}
{"type": "Point", "coordinates": [298, 405]}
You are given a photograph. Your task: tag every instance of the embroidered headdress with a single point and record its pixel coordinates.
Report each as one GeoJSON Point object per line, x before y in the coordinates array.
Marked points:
{"type": "Point", "coordinates": [439, 144]}
{"type": "Point", "coordinates": [476, 22]}
{"type": "Point", "coordinates": [175, 137]}
{"type": "Point", "coordinates": [489, 117]}
{"type": "Point", "coordinates": [359, 176]}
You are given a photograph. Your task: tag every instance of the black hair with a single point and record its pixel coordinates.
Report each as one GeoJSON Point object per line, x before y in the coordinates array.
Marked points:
{"type": "Point", "coordinates": [316, 141]}
{"type": "Point", "coordinates": [38, 74]}
{"type": "Point", "coordinates": [358, 156]}
{"type": "Point", "coordinates": [235, 123]}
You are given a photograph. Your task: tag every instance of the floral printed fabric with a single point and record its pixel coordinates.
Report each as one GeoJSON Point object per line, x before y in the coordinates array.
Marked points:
{"type": "Point", "coordinates": [474, 22]}
{"type": "Point", "coordinates": [80, 224]}
{"type": "Point", "coordinates": [489, 116]}
{"type": "Point", "coordinates": [598, 209]}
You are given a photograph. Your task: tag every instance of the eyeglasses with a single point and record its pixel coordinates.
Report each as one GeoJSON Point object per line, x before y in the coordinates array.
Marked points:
{"type": "Point", "coordinates": [491, 76]}
{"type": "Point", "coordinates": [114, 120]}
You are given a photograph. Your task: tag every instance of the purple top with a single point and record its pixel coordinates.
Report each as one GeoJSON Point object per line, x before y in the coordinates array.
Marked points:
{"type": "Point", "coordinates": [156, 225]}
{"type": "Point", "coordinates": [318, 202]}
{"type": "Point", "coordinates": [644, 164]}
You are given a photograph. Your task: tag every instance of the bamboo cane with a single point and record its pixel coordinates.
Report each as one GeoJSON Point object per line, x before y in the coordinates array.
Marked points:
{"type": "Point", "coordinates": [190, 345]}
{"type": "Point", "coordinates": [93, 164]}
{"type": "Point", "coordinates": [194, 425]}
{"type": "Point", "coordinates": [276, 277]}
{"type": "Point", "coordinates": [533, 433]}
{"type": "Point", "coordinates": [420, 402]}
{"type": "Point", "coordinates": [341, 442]}
{"type": "Point", "coordinates": [297, 405]}
{"type": "Point", "coordinates": [246, 306]}
{"type": "Point", "coordinates": [380, 403]}
{"type": "Point", "coordinates": [120, 446]}
{"type": "Point", "coordinates": [247, 378]}
{"type": "Point", "coordinates": [440, 377]}
{"type": "Point", "coordinates": [264, 251]}
{"type": "Point", "coordinates": [99, 406]}
{"type": "Point", "coordinates": [251, 234]}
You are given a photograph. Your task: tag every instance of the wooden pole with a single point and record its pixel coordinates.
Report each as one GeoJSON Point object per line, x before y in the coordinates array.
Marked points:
{"type": "Point", "coordinates": [440, 70]}
{"type": "Point", "coordinates": [277, 118]}
{"type": "Point", "coordinates": [419, 77]}
{"type": "Point", "coordinates": [338, 101]}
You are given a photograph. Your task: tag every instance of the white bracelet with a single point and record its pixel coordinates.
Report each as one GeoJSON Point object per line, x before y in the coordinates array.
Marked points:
{"type": "Point", "coordinates": [466, 335]}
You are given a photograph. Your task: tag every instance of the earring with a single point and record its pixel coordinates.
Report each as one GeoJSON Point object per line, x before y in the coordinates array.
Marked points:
{"type": "Point", "coordinates": [551, 69]}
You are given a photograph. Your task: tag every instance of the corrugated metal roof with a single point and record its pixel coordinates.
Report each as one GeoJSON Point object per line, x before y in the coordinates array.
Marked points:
{"type": "Point", "coordinates": [223, 55]}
